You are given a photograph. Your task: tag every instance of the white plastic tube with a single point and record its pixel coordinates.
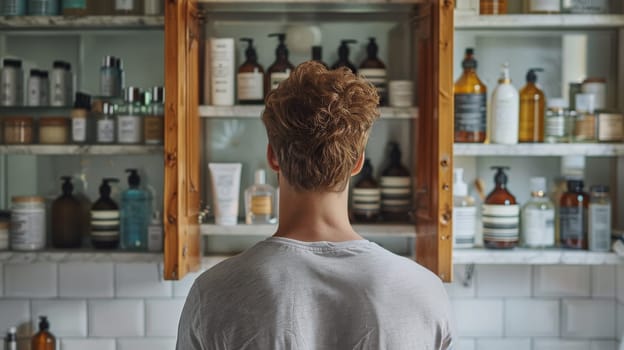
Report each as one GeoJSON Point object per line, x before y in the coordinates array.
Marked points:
{"type": "Point", "coordinates": [225, 179]}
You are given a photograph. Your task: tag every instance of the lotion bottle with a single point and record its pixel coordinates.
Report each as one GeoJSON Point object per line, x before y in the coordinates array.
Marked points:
{"type": "Point", "coordinates": [105, 219]}
{"type": "Point", "coordinates": [250, 77]}
{"type": "Point", "coordinates": [343, 55]}
{"type": "Point", "coordinates": [500, 214]}
{"type": "Point", "coordinates": [66, 220]}
{"type": "Point", "coordinates": [281, 68]}
{"type": "Point", "coordinates": [505, 110]}
{"type": "Point", "coordinates": [373, 69]}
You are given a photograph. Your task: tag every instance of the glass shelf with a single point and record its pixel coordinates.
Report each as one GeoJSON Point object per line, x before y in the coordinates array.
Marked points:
{"type": "Point", "coordinates": [80, 149]}
{"type": "Point", "coordinates": [540, 149]}
{"type": "Point", "coordinates": [520, 256]}
{"type": "Point", "coordinates": [255, 111]}
{"type": "Point", "coordinates": [81, 22]}
{"type": "Point", "coordinates": [530, 21]}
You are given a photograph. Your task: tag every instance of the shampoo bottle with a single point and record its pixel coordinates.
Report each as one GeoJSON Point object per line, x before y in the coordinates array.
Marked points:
{"type": "Point", "coordinates": [43, 340]}
{"type": "Point", "coordinates": [532, 109]}
{"type": "Point", "coordinates": [135, 214]}
{"type": "Point", "coordinates": [505, 109]}
{"type": "Point", "coordinates": [281, 68]}
{"type": "Point", "coordinates": [343, 55]}
{"type": "Point", "coordinates": [66, 220]}
{"type": "Point", "coordinates": [500, 214]}
{"type": "Point", "coordinates": [105, 219]}
{"type": "Point", "coordinates": [250, 77]}
{"type": "Point", "coordinates": [373, 69]}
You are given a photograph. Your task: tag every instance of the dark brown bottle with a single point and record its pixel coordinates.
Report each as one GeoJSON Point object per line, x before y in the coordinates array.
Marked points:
{"type": "Point", "coordinates": [43, 340]}
{"type": "Point", "coordinates": [573, 209]}
{"type": "Point", "coordinates": [105, 219]}
{"type": "Point", "coordinates": [373, 69]}
{"type": "Point", "coordinates": [66, 220]}
{"type": "Point", "coordinates": [470, 103]}
{"type": "Point", "coordinates": [317, 55]}
{"type": "Point", "coordinates": [396, 188]}
{"type": "Point", "coordinates": [366, 196]}
{"type": "Point", "coordinates": [500, 214]}
{"type": "Point", "coordinates": [250, 77]}
{"type": "Point", "coordinates": [281, 68]}
{"type": "Point", "coordinates": [343, 55]}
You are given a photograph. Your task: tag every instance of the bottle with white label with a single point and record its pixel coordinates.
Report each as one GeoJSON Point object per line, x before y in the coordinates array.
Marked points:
{"type": "Point", "coordinates": [281, 68]}
{"type": "Point", "coordinates": [543, 6]}
{"type": "Point", "coordinates": [105, 218]}
{"type": "Point", "coordinates": [538, 217]}
{"type": "Point", "coordinates": [155, 233]}
{"type": "Point", "coordinates": [81, 126]}
{"type": "Point", "coordinates": [505, 110]}
{"type": "Point", "coordinates": [464, 212]}
{"type": "Point", "coordinates": [599, 219]}
{"type": "Point", "coordinates": [105, 124]}
{"type": "Point", "coordinates": [250, 77]}
{"type": "Point", "coordinates": [374, 70]}
{"type": "Point", "coordinates": [127, 7]}
{"type": "Point", "coordinates": [129, 120]}
{"type": "Point", "coordinates": [259, 200]}
{"type": "Point", "coordinates": [222, 60]}
{"type": "Point", "coordinates": [500, 215]}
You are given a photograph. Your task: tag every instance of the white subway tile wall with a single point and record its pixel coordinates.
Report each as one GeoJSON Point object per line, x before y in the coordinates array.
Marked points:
{"type": "Point", "coordinates": [107, 306]}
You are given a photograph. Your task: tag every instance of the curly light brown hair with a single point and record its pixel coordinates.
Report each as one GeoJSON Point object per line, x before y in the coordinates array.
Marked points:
{"type": "Point", "coordinates": [317, 123]}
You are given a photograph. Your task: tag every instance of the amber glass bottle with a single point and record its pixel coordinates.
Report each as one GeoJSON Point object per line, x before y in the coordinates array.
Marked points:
{"type": "Point", "coordinates": [500, 215]}
{"type": "Point", "coordinates": [366, 196]}
{"type": "Point", "coordinates": [532, 109]}
{"type": "Point", "coordinates": [317, 55]}
{"type": "Point", "coordinates": [66, 218]}
{"type": "Point", "coordinates": [493, 7]}
{"type": "Point", "coordinates": [43, 340]}
{"type": "Point", "coordinates": [470, 103]}
{"type": "Point", "coordinates": [343, 55]}
{"type": "Point", "coordinates": [373, 69]}
{"type": "Point", "coordinates": [281, 68]}
{"type": "Point", "coordinates": [573, 209]}
{"type": "Point", "coordinates": [250, 77]}
{"type": "Point", "coordinates": [396, 188]}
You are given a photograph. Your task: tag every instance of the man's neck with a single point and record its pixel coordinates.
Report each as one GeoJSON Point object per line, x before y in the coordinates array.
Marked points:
{"type": "Point", "coordinates": [314, 216]}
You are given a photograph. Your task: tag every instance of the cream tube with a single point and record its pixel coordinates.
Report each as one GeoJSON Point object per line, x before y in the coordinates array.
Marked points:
{"type": "Point", "coordinates": [225, 178]}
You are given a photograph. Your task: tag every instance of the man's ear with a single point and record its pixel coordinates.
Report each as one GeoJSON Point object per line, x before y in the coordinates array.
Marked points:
{"type": "Point", "coordinates": [358, 165]}
{"type": "Point", "coordinates": [272, 159]}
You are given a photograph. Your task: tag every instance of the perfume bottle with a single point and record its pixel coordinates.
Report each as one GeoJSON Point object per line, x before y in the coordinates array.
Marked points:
{"type": "Point", "coordinates": [259, 200]}
{"type": "Point", "coordinates": [470, 96]}
{"type": "Point", "coordinates": [500, 214]}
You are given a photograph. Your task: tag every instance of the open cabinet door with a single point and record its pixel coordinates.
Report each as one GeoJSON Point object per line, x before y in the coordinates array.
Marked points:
{"type": "Point", "coordinates": [434, 240]}
{"type": "Point", "coordinates": [181, 192]}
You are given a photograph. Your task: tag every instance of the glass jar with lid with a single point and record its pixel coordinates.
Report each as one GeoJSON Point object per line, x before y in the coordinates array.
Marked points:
{"type": "Point", "coordinates": [18, 130]}
{"type": "Point", "coordinates": [599, 219]}
{"type": "Point", "coordinates": [558, 122]}
{"type": "Point", "coordinates": [54, 131]}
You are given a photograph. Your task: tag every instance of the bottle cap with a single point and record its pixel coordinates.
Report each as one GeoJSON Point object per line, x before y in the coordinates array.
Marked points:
{"type": "Point", "coordinates": [12, 62]}
{"type": "Point", "coordinates": [35, 73]}
{"type": "Point", "coordinates": [585, 102]}
{"type": "Point", "coordinates": [250, 52]}
{"type": "Point", "coordinates": [134, 180]}
{"type": "Point", "coordinates": [61, 65]}
{"type": "Point", "coordinates": [531, 77]}
{"type": "Point", "coordinates": [367, 168]}
{"type": "Point", "coordinates": [460, 188]}
{"type": "Point", "coordinates": [599, 189]}
{"type": "Point", "coordinates": [12, 330]}
{"type": "Point", "coordinates": [281, 49]}
{"type": "Point", "coordinates": [557, 103]}
{"type": "Point", "coordinates": [105, 189]}
{"type": "Point", "coordinates": [133, 94]}
{"type": "Point", "coordinates": [575, 185]}
{"type": "Point", "coordinates": [343, 49]}
{"type": "Point", "coordinates": [158, 94]}
{"type": "Point", "coordinates": [469, 62]}
{"type": "Point", "coordinates": [146, 98]}
{"type": "Point", "coordinates": [395, 153]}
{"type": "Point", "coordinates": [538, 184]}
{"type": "Point", "coordinates": [108, 108]}
{"type": "Point", "coordinates": [371, 48]}
{"type": "Point", "coordinates": [500, 178]}
{"type": "Point", "coordinates": [44, 325]}
{"type": "Point", "coordinates": [68, 188]}
{"type": "Point", "coordinates": [260, 177]}
{"type": "Point", "coordinates": [82, 101]}
{"type": "Point", "coordinates": [317, 53]}
{"type": "Point", "coordinates": [505, 76]}
{"type": "Point", "coordinates": [118, 63]}
{"type": "Point", "coordinates": [108, 61]}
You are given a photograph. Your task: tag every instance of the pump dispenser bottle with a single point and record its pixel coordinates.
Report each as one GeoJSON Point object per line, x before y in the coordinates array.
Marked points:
{"type": "Point", "coordinates": [464, 212]}
{"type": "Point", "coordinates": [105, 219]}
{"type": "Point", "coordinates": [373, 69]}
{"type": "Point", "coordinates": [343, 55]}
{"type": "Point", "coordinates": [366, 196]}
{"type": "Point", "coordinates": [317, 55]}
{"type": "Point", "coordinates": [532, 109]}
{"type": "Point", "coordinates": [259, 200]}
{"type": "Point", "coordinates": [250, 77]}
{"type": "Point", "coordinates": [43, 340]}
{"type": "Point", "coordinates": [66, 220]}
{"type": "Point", "coordinates": [470, 103]}
{"type": "Point", "coordinates": [135, 214]}
{"type": "Point", "coordinates": [505, 108]}
{"type": "Point", "coordinates": [396, 188]}
{"type": "Point", "coordinates": [281, 68]}
{"type": "Point", "coordinates": [500, 214]}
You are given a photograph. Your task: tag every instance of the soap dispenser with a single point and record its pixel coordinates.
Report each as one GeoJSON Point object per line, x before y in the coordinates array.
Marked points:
{"type": "Point", "coordinates": [532, 109]}
{"type": "Point", "coordinates": [66, 220]}
{"type": "Point", "coordinates": [505, 110]}
{"type": "Point", "coordinates": [135, 214]}
{"type": "Point", "coordinates": [281, 68]}
{"type": "Point", "coordinates": [374, 70]}
{"type": "Point", "coordinates": [105, 218]}
{"type": "Point", "coordinates": [317, 55]}
{"type": "Point", "coordinates": [343, 55]}
{"type": "Point", "coordinates": [366, 195]}
{"type": "Point", "coordinates": [500, 214]}
{"type": "Point", "coordinates": [43, 340]}
{"type": "Point", "coordinates": [250, 77]}
{"type": "Point", "coordinates": [396, 188]}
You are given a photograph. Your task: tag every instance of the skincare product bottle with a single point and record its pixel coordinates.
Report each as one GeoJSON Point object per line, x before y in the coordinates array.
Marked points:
{"type": "Point", "coordinates": [66, 221]}
{"type": "Point", "coordinates": [374, 70]}
{"type": "Point", "coordinates": [155, 233]}
{"type": "Point", "coordinates": [558, 124]}
{"type": "Point", "coordinates": [33, 96]}
{"type": "Point", "coordinates": [105, 124]}
{"type": "Point", "coordinates": [599, 219]}
{"type": "Point", "coordinates": [225, 181]}
{"type": "Point", "coordinates": [154, 120]}
{"type": "Point", "coordinates": [135, 214]}
{"type": "Point", "coordinates": [317, 55]}
{"type": "Point", "coordinates": [259, 200]}
{"type": "Point", "coordinates": [129, 120]}
{"type": "Point", "coordinates": [573, 208]}
{"type": "Point", "coordinates": [343, 55]}
{"type": "Point", "coordinates": [396, 188]}
{"type": "Point", "coordinates": [11, 83]}
{"type": "Point", "coordinates": [505, 107]}
{"type": "Point", "coordinates": [10, 341]}
{"type": "Point", "coordinates": [281, 68]}
{"type": "Point", "coordinates": [61, 82]}
{"type": "Point", "coordinates": [250, 77]}
{"type": "Point", "coordinates": [464, 212]}
{"type": "Point", "coordinates": [538, 217]}
{"type": "Point", "coordinates": [532, 103]}
{"type": "Point", "coordinates": [366, 196]}
{"type": "Point", "coordinates": [128, 7]}
{"type": "Point", "coordinates": [43, 340]}
{"type": "Point", "coordinates": [492, 7]}
{"type": "Point", "coordinates": [222, 59]}
{"type": "Point", "coordinates": [470, 96]}
{"type": "Point", "coordinates": [81, 126]}
{"type": "Point", "coordinates": [500, 214]}
{"type": "Point", "coordinates": [585, 122]}
{"type": "Point", "coordinates": [105, 218]}
{"type": "Point", "coordinates": [109, 77]}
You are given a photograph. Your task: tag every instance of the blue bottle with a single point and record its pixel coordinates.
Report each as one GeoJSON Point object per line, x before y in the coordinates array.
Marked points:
{"type": "Point", "coordinates": [135, 214]}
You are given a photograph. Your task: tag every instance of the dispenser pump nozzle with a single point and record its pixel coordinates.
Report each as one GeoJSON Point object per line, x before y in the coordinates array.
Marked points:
{"type": "Point", "coordinates": [44, 325]}
{"type": "Point", "coordinates": [531, 76]}
{"type": "Point", "coordinates": [105, 189]}
{"type": "Point", "coordinates": [250, 52]}
{"type": "Point", "coordinates": [395, 153]}
{"type": "Point", "coordinates": [372, 48]}
{"type": "Point", "coordinates": [134, 180]}
{"type": "Point", "coordinates": [281, 47]}
{"type": "Point", "coordinates": [500, 178]}
{"type": "Point", "coordinates": [68, 188]}
{"type": "Point", "coordinates": [343, 50]}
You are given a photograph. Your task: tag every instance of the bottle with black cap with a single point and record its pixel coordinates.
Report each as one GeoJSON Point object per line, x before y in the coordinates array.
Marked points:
{"type": "Point", "coordinates": [373, 69]}
{"type": "Point", "coordinates": [343, 55]}
{"type": "Point", "coordinates": [135, 214]}
{"type": "Point", "coordinates": [532, 109]}
{"type": "Point", "coordinates": [43, 340]}
{"type": "Point", "coordinates": [12, 83]}
{"type": "Point", "coordinates": [281, 68]}
{"type": "Point", "coordinates": [250, 77]}
{"type": "Point", "coordinates": [317, 55]}
{"type": "Point", "coordinates": [105, 218]}
{"type": "Point", "coordinates": [470, 96]}
{"type": "Point", "coordinates": [366, 195]}
{"type": "Point", "coordinates": [105, 124]}
{"type": "Point", "coordinates": [396, 188]}
{"type": "Point", "coordinates": [573, 212]}
{"type": "Point", "coordinates": [81, 126]}
{"type": "Point", "coordinates": [129, 119]}
{"type": "Point", "coordinates": [66, 220]}
{"type": "Point", "coordinates": [154, 121]}
{"type": "Point", "coordinates": [109, 77]}
{"type": "Point", "coordinates": [500, 214]}
{"type": "Point", "coordinates": [61, 81]}
{"type": "Point", "coordinates": [10, 341]}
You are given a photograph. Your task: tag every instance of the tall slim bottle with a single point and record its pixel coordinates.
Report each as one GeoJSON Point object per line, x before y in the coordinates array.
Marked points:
{"type": "Point", "coordinates": [505, 110]}
{"type": "Point", "coordinates": [135, 214]}
{"type": "Point", "coordinates": [500, 214]}
{"type": "Point", "coordinates": [532, 109]}
{"type": "Point", "coordinates": [373, 69]}
{"type": "Point", "coordinates": [366, 196]}
{"type": "Point", "coordinates": [470, 103]}
{"type": "Point", "coordinates": [66, 218]}
{"type": "Point", "coordinates": [573, 209]}
{"type": "Point", "coordinates": [250, 77]}
{"type": "Point", "coordinates": [281, 68]}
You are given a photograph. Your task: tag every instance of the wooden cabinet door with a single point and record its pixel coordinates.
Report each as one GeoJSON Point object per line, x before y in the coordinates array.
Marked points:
{"type": "Point", "coordinates": [181, 191]}
{"type": "Point", "coordinates": [434, 153]}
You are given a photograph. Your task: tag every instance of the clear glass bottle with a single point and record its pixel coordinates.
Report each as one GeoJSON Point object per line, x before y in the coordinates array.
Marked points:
{"type": "Point", "coordinates": [105, 124]}
{"type": "Point", "coordinates": [558, 124]}
{"type": "Point", "coordinates": [500, 214]}
{"type": "Point", "coordinates": [573, 207]}
{"type": "Point", "coordinates": [464, 212]}
{"type": "Point", "coordinates": [129, 119]}
{"type": "Point", "coordinates": [259, 200]}
{"type": "Point", "coordinates": [470, 96]}
{"type": "Point", "coordinates": [366, 196]}
{"type": "Point", "coordinates": [538, 217]}
{"type": "Point", "coordinates": [599, 219]}
{"type": "Point", "coordinates": [585, 123]}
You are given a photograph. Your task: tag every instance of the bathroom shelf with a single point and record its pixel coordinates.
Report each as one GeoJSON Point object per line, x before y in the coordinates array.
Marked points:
{"type": "Point", "coordinates": [79, 149]}
{"type": "Point", "coordinates": [263, 231]}
{"type": "Point", "coordinates": [539, 149]}
{"type": "Point", "coordinates": [534, 257]}
{"type": "Point", "coordinates": [81, 22]}
{"type": "Point", "coordinates": [79, 255]}
{"type": "Point", "coordinates": [255, 111]}
{"type": "Point", "coordinates": [527, 21]}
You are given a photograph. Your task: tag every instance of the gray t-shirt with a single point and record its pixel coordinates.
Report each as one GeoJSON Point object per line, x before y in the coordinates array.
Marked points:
{"type": "Point", "coordinates": [288, 294]}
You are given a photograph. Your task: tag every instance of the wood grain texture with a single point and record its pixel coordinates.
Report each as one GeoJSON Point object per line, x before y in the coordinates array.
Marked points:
{"type": "Point", "coordinates": [434, 154]}
{"type": "Point", "coordinates": [181, 191]}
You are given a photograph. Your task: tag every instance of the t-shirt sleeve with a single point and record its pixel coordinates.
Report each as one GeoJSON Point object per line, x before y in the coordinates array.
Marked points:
{"type": "Point", "coordinates": [189, 336]}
